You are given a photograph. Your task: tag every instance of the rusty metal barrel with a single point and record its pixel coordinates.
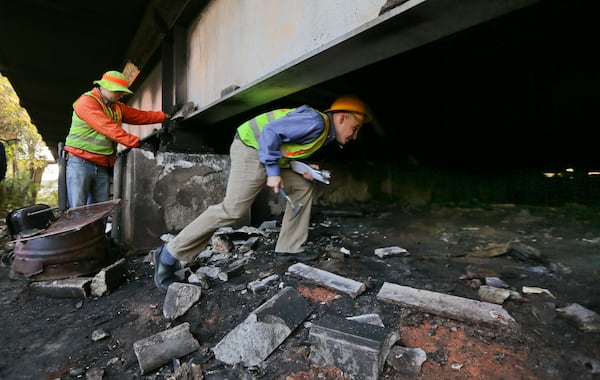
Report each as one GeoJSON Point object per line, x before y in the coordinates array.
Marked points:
{"type": "Point", "coordinates": [74, 244]}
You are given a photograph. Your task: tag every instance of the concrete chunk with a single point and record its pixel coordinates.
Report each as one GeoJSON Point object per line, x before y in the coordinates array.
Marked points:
{"type": "Point", "coordinates": [583, 318]}
{"type": "Point", "coordinates": [109, 278]}
{"type": "Point", "coordinates": [462, 309]}
{"type": "Point", "coordinates": [390, 251]}
{"type": "Point", "coordinates": [256, 286]}
{"type": "Point", "coordinates": [358, 349]}
{"type": "Point", "coordinates": [159, 349]}
{"type": "Point", "coordinates": [180, 298]}
{"type": "Point", "coordinates": [327, 279]}
{"type": "Point", "coordinates": [492, 294]}
{"type": "Point", "coordinates": [78, 287]}
{"type": "Point", "coordinates": [264, 330]}
{"type": "Point", "coordinates": [407, 361]}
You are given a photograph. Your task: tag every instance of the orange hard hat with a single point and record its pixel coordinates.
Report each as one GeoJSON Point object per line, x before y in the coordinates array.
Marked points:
{"type": "Point", "coordinates": [350, 103]}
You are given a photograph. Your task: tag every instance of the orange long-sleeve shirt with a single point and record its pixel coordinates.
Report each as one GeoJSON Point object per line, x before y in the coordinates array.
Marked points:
{"type": "Point", "coordinates": [88, 109]}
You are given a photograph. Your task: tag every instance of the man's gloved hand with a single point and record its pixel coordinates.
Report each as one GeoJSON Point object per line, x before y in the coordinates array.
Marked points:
{"type": "Point", "coordinates": [182, 112]}
{"type": "Point", "coordinates": [147, 146]}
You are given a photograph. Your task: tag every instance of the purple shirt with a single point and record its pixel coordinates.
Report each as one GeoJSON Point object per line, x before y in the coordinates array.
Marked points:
{"type": "Point", "coordinates": [301, 126]}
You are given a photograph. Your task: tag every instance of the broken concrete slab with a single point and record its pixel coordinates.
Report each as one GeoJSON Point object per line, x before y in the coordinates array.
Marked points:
{"type": "Point", "coordinates": [327, 279]}
{"type": "Point", "coordinates": [157, 350]}
{"type": "Point", "coordinates": [253, 340]}
{"type": "Point", "coordinates": [179, 299]}
{"type": "Point", "coordinates": [105, 281]}
{"type": "Point", "coordinates": [358, 349]}
{"type": "Point", "coordinates": [78, 287]}
{"type": "Point", "coordinates": [445, 305]}
{"type": "Point", "coordinates": [583, 318]}
{"type": "Point", "coordinates": [109, 278]}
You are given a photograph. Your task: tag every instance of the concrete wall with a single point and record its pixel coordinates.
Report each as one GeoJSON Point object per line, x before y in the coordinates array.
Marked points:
{"type": "Point", "coordinates": [162, 192]}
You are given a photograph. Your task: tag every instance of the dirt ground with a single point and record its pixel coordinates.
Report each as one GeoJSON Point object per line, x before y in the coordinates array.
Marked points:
{"type": "Point", "coordinates": [51, 338]}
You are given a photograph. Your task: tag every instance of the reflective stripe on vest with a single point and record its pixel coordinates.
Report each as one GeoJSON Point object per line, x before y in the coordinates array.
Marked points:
{"type": "Point", "coordinates": [250, 132]}
{"type": "Point", "coordinates": [82, 136]}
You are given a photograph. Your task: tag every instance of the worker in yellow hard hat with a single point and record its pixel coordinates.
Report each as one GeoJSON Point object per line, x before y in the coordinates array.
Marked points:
{"type": "Point", "coordinates": [260, 154]}
{"type": "Point", "coordinates": [96, 129]}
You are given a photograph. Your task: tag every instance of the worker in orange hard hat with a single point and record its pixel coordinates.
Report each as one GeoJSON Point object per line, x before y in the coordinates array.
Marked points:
{"type": "Point", "coordinates": [350, 104]}
{"type": "Point", "coordinates": [260, 154]}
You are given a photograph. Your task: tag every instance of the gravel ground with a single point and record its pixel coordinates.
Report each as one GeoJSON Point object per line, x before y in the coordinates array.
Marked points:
{"type": "Point", "coordinates": [448, 251]}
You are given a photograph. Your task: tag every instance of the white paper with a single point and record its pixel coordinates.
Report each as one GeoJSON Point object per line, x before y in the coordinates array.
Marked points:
{"type": "Point", "coordinates": [319, 175]}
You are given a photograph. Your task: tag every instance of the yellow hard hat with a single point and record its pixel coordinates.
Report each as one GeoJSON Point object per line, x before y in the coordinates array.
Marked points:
{"type": "Point", "coordinates": [350, 103]}
{"type": "Point", "coordinates": [114, 81]}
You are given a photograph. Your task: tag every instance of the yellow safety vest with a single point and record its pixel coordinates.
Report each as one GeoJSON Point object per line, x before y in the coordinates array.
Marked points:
{"type": "Point", "coordinates": [82, 136]}
{"type": "Point", "coordinates": [250, 131]}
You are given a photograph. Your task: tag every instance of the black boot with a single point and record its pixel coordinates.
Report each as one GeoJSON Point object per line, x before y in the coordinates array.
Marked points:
{"type": "Point", "coordinates": [164, 275]}
{"type": "Point", "coordinates": [304, 256]}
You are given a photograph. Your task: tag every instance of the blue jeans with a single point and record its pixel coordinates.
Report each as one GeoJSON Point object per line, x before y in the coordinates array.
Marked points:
{"type": "Point", "coordinates": [87, 182]}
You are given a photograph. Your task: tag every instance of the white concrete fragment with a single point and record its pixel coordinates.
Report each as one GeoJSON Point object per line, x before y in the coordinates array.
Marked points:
{"type": "Point", "coordinates": [99, 334]}
{"type": "Point", "coordinates": [449, 306]}
{"type": "Point", "coordinates": [536, 290]}
{"type": "Point", "coordinates": [390, 251]}
{"type": "Point", "coordinates": [256, 286]}
{"type": "Point", "coordinates": [327, 279]}
{"type": "Point", "coordinates": [209, 271]}
{"type": "Point", "coordinates": [373, 319]}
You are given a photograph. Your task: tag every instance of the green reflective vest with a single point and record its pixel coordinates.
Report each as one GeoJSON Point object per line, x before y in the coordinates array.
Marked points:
{"type": "Point", "coordinates": [82, 136]}
{"type": "Point", "coordinates": [250, 131]}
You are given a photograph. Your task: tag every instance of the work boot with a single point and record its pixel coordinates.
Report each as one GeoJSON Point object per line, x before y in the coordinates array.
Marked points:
{"type": "Point", "coordinates": [164, 275]}
{"type": "Point", "coordinates": [286, 257]}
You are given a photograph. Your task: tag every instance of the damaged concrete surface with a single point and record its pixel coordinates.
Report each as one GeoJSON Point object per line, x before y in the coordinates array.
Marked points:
{"type": "Point", "coordinates": [547, 258]}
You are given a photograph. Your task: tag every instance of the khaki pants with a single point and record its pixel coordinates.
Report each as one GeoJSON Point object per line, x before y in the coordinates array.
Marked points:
{"type": "Point", "coordinates": [246, 180]}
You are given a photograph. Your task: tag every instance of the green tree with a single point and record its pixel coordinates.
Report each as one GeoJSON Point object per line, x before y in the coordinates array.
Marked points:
{"type": "Point", "coordinates": [25, 151]}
